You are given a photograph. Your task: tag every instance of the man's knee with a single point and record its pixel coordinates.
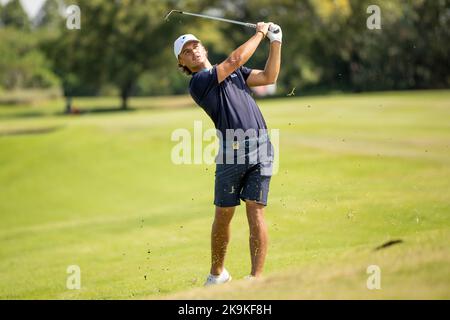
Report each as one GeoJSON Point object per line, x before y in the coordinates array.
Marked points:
{"type": "Point", "coordinates": [255, 213]}
{"type": "Point", "coordinates": [224, 215]}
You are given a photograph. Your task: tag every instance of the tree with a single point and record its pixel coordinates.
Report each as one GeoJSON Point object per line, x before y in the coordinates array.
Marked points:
{"type": "Point", "coordinates": [300, 25]}
{"type": "Point", "coordinates": [140, 40]}
{"type": "Point", "coordinates": [77, 68]}
{"type": "Point", "coordinates": [50, 16]}
{"type": "Point", "coordinates": [118, 41]}
{"type": "Point", "coordinates": [13, 15]}
{"type": "Point", "coordinates": [22, 65]}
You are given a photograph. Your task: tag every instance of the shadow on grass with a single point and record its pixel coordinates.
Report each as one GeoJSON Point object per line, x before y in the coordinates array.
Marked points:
{"type": "Point", "coordinates": [99, 110]}
{"type": "Point", "coordinates": [76, 111]}
{"type": "Point", "coordinates": [30, 131]}
{"type": "Point", "coordinates": [32, 114]}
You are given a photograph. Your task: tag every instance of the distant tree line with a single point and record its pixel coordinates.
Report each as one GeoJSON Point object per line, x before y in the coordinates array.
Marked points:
{"type": "Point", "coordinates": [125, 47]}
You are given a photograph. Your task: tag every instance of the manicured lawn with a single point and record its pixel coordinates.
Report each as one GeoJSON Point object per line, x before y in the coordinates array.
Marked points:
{"type": "Point", "coordinates": [99, 190]}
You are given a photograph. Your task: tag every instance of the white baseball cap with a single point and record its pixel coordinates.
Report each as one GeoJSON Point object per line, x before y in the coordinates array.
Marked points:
{"type": "Point", "coordinates": [181, 41]}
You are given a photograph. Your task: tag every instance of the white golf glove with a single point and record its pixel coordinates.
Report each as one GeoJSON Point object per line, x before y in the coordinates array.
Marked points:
{"type": "Point", "coordinates": [273, 35]}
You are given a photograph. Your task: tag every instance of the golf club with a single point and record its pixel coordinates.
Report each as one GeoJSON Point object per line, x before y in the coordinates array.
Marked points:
{"type": "Point", "coordinates": [246, 24]}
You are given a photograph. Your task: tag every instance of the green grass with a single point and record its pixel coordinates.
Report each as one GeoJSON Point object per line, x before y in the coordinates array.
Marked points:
{"type": "Point", "coordinates": [99, 191]}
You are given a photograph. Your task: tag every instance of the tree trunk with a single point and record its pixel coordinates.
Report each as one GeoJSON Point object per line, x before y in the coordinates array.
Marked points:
{"type": "Point", "coordinates": [68, 104]}
{"type": "Point", "coordinates": [124, 103]}
{"type": "Point", "coordinates": [124, 96]}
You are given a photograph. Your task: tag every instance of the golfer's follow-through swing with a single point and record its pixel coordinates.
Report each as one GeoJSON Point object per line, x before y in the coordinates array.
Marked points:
{"type": "Point", "coordinates": [222, 90]}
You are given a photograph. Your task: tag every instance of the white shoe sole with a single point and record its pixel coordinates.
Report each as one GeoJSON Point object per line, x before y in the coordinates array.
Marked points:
{"type": "Point", "coordinates": [216, 284]}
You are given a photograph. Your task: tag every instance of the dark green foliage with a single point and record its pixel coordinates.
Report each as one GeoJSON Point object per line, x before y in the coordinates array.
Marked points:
{"type": "Point", "coordinates": [326, 44]}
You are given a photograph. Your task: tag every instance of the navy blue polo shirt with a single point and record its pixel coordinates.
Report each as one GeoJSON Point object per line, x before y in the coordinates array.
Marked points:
{"type": "Point", "coordinates": [229, 104]}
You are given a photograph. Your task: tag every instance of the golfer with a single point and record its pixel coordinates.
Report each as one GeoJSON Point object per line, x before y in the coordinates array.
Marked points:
{"type": "Point", "coordinates": [222, 90]}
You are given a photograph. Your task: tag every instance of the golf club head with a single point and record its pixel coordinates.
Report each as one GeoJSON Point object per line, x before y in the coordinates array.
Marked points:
{"type": "Point", "coordinates": [171, 11]}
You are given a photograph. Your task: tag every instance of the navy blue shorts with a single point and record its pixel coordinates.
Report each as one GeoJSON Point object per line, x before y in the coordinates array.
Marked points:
{"type": "Point", "coordinates": [247, 177]}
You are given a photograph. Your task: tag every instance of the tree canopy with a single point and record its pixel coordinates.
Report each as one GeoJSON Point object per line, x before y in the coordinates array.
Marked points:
{"type": "Point", "coordinates": [127, 45]}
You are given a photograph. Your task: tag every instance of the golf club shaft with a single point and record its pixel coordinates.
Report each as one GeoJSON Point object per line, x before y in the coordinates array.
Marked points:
{"type": "Point", "coordinates": [246, 24]}
{"type": "Point", "coordinates": [249, 25]}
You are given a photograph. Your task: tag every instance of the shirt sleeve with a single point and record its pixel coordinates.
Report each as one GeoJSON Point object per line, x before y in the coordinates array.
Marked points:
{"type": "Point", "coordinates": [245, 72]}
{"type": "Point", "coordinates": [203, 82]}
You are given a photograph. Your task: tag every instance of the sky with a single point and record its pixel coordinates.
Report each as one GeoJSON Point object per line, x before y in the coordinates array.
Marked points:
{"type": "Point", "coordinates": [30, 6]}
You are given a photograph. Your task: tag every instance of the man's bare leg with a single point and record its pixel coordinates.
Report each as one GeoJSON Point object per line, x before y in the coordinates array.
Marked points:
{"type": "Point", "coordinates": [220, 236]}
{"type": "Point", "coordinates": [258, 236]}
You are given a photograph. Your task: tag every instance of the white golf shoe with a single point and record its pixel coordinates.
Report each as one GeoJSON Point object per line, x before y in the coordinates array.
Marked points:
{"type": "Point", "coordinates": [224, 277]}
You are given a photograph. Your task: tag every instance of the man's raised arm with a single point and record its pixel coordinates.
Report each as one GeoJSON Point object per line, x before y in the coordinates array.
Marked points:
{"type": "Point", "coordinates": [270, 73]}
{"type": "Point", "coordinates": [241, 55]}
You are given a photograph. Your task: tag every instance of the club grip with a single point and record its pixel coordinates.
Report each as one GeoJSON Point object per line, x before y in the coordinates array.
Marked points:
{"type": "Point", "coordinates": [271, 28]}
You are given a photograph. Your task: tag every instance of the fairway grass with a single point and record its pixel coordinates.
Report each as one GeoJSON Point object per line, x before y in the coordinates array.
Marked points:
{"type": "Point", "coordinates": [99, 190]}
